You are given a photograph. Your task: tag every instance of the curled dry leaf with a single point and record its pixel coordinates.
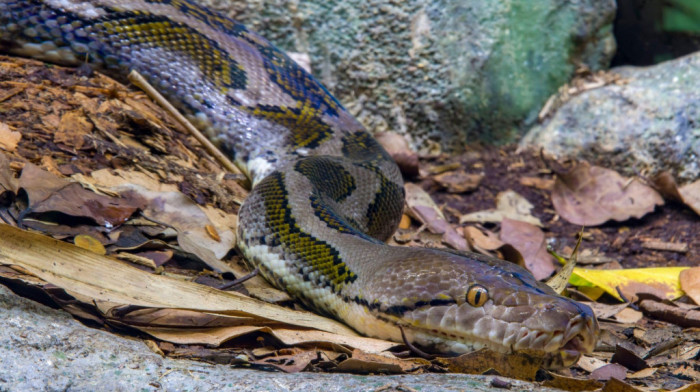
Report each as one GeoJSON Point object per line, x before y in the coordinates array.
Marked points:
{"type": "Point", "coordinates": [509, 204]}
{"type": "Point", "coordinates": [397, 146]}
{"type": "Point", "coordinates": [689, 194]}
{"type": "Point", "coordinates": [422, 207]}
{"type": "Point", "coordinates": [592, 195]}
{"type": "Point", "coordinates": [690, 283]}
{"type": "Point", "coordinates": [529, 240]}
{"type": "Point", "coordinates": [178, 211]}
{"type": "Point", "coordinates": [487, 243]}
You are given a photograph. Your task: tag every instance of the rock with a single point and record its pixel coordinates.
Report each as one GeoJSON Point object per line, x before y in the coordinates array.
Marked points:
{"type": "Point", "coordinates": [445, 72]}
{"type": "Point", "coordinates": [42, 349]}
{"type": "Point", "coordinates": [650, 122]}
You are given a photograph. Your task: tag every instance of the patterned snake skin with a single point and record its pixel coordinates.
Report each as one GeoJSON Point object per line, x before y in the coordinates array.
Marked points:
{"type": "Point", "coordinates": [325, 194]}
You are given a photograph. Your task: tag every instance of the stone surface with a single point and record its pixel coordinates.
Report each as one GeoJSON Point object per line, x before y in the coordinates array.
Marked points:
{"type": "Point", "coordinates": [42, 349]}
{"type": "Point", "coordinates": [651, 122]}
{"type": "Point", "coordinates": [447, 72]}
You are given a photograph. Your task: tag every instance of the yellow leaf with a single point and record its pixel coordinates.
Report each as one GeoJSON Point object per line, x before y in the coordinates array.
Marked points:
{"type": "Point", "coordinates": [662, 282]}
{"type": "Point", "coordinates": [90, 243]}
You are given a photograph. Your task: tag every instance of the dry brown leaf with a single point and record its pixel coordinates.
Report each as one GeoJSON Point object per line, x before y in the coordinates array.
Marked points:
{"type": "Point", "coordinates": [606, 311]}
{"type": "Point", "coordinates": [48, 193]}
{"type": "Point", "coordinates": [397, 146]}
{"type": "Point", "coordinates": [691, 195]}
{"type": "Point", "coordinates": [615, 384]}
{"type": "Point", "coordinates": [105, 279]}
{"type": "Point", "coordinates": [572, 384]}
{"type": "Point", "coordinates": [628, 316]}
{"type": "Point", "coordinates": [458, 181]}
{"type": "Point", "coordinates": [177, 210]}
{"type": "Point", "coordinates": [530, 241]}
{"type": "Point", "coordinates": [515, 365]}
{"type": "Point", "coordinates": [9, 185]}
{"type": "Point", "coordinates": [592, 195]}
{"type": "Point", "coordinates": [609, 371]}
{"type": "Point", "coordinates": [362, 362]}
{"type": "Point", "coordinates": [690, 283]}
{"type": "Point", "coordinates": [422, 208]}
{"type": "Point", "coordinates": [590, 364]}
{"type": "Point", "coordinates": [8, 138]}
{"type": "Point", "coordinates": [291, 363]}
{"type": "Point", "coordinates": [487, 243]}
{"type": "Point", "coordinates": [509, 204]}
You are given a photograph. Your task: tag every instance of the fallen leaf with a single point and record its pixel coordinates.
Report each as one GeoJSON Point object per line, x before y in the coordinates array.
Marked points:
{"type": "Point", "coordinates": [422, 208]}
{"type": "Point", "coordinates": [104, 279]}
{"type": "Point", "coordinates": [458, 181]}
{"type": "Point", "coordinates": [553, 380]}
{"type": "Point", "coordinates": [48, 193]}
{"type": "Point", "coordinates": [690, 283]}
{"type": "Point", "coordinates": [662, 282]}
{"type": "Point", "coordinates": [530, 241]}
{"type": "Point", "coordinates": [628, 316]}
{"type": "Point", "coordinates": [592, 195]}
{"type": "Point", "coordinates": [89, 243]}
{"type": "Point", "coordinates": [510, 205]}
{"type": "Point", "coordinates": [559, 281]}
{"type": "Point", "coordinates": [8, 138]}
{"type": "Point", "coordinates": [612, 370]}
{"type": "Point", "coordinates": [689, 194]}
{"type": "Point", "coordinates": [172, 208]}
{"type": "Point", "coordinates": [606, 311]}
{"type": "Point", "coordinates": [515, 365]}
{"type": "Point", "coordinates": [292, 363]}
{"type": "Point", "coordinates": [590, 364]}
{"type": "Point", "coordinates": [397, 146]}
{"type": "Point", "coordinates": [628, 358]}
{"type": "Point", "coordinates": [615, 384]}
{"type": "Point", "coordinates": [361, 362]}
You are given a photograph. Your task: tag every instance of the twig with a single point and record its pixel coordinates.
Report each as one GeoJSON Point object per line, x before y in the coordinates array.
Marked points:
{"type": "Point", "coordinates": [240, 280]}
{"type": "Point", "coordinates": [141, 83]}
{"type": "Point", "coordinates": [413, 348]}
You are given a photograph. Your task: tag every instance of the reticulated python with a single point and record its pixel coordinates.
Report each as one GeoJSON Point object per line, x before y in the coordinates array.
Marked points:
{"type": "Point", "coordinates": [325, 194]}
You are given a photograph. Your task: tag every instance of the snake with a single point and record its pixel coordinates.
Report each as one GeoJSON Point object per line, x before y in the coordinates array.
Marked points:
{"type": "Point", "coordinates": [325, 195]}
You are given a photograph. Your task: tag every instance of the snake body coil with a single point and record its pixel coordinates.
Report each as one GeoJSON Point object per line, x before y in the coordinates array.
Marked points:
{"type": "Point", "coordinates": [325, 194]}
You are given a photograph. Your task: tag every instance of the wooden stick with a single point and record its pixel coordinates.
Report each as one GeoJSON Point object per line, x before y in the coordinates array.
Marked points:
{"type": "Point", "coordinates": [141, 83]}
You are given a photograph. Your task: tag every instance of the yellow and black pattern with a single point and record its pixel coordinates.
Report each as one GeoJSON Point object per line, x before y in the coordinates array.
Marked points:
{"type": "Point", "coordinates": [325, 193]}
{"type": "Point", "coordinates": [328, 176]}
{"type": "Point", "coordinates": [321, 257]}
{"type": "Point", "coordinates": [306, 128]}
{"type": "Point", "coordinates": [145, 30]}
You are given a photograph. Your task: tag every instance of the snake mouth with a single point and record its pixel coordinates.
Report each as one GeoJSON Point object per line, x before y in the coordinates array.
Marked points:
{"type": "Point", "coordinates": [566, 347]}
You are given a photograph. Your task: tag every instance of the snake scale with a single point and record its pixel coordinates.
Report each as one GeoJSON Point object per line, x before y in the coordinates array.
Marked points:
{"type": "Point", "coordinates": [325, 194]}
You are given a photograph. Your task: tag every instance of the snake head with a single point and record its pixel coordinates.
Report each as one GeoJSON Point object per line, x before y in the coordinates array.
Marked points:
{"type": "Point", "coordinates": [463, 302]}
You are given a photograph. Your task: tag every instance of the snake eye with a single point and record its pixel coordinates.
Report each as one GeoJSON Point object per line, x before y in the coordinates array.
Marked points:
{"type": "Point", "coordinates": [477, 295]}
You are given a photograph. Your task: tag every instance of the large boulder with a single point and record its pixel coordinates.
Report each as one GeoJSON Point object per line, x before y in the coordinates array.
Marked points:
{"type": "Point", "coordinates": [444, 72]}
{"type": "Point", "coordinates": [649, 121]}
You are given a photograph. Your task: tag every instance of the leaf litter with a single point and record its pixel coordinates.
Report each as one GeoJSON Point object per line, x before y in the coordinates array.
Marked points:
{"type": "Point", "coordinates": [112, 154]}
